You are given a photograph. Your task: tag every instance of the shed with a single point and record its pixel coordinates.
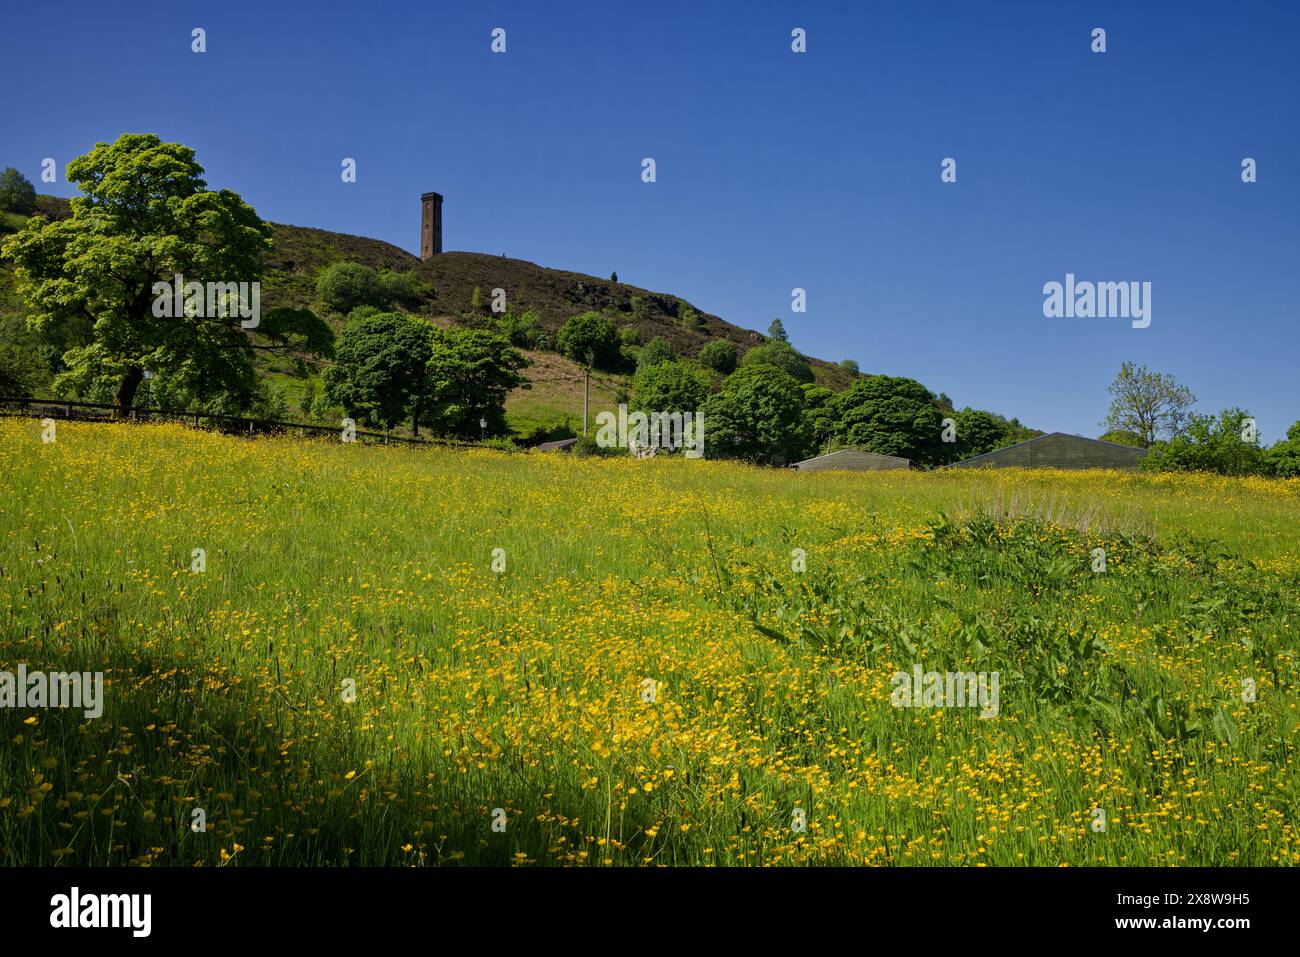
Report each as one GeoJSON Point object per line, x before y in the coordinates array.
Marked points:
{"type": "Point", "coordinates": [853, 460]}
{"type": "Point", "coordinates": [1059, 450]}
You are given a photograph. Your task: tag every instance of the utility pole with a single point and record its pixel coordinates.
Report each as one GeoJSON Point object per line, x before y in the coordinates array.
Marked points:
{"type": "Point", "coordinates": [586, 391]}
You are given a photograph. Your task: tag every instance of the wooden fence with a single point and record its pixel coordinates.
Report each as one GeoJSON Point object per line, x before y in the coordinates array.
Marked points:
{"type": "Point", "coordinates": [28, 406]}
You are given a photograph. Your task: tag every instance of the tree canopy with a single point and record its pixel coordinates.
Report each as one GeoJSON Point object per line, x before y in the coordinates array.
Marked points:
{"type": "Point", "coordinates": [17, 194]}
{"type": "Point", "coordinates": [781, 355]}
{"type": "Point", "coordinates": [1148, 404]}
{"type": "Point", "coordinates": [589, 338]}
{"type": "Point", "coordinates": [758, 417]}
{"type": "Point", "coordinates": [146, 216]}
{"type": "Point", "coordinates": [891, 415]}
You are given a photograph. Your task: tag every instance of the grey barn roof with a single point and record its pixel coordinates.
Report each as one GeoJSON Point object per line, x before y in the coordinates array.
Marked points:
{"type": "Point", "coordinates": [856, 460]}
{"type": "Point", "coordinates": [559, 445]}
{"type": "Point", "coordinates": [1058, 450]}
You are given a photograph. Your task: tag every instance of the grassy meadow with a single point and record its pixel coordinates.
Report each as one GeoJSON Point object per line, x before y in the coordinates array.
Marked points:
{"type": "Point", "coordinates": [649, 681]}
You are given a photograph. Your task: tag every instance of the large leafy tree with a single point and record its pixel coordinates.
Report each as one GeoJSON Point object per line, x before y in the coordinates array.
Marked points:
{"type": "Point", "coordinates": [1148, 404]}
{"type": "Point", "coordinates": [977, 432]}
{"type": "Point", "coordinates": [670, 387]}
{"type": "Point", "coordinates": [380, 369]}
{"type": "Point", "coordinates": [1284, 457]}
{"type": "Point", "coordinates": [17, 194]}
{"type": "Point", "coordinates": [782, 355]}
{"type": "Point", "coordinates": [719, 355]}
{"type": "Point", "coordinates": [893, 416]}
{"type": "Point", "coordinates": [819, 410]}
{"type": "Point", "coordinates": [145, 215]}
{"type": "Point", "coordinates": [758, 416]}
{"type": "Point", "coordinates": [1210, 443]}
{"type": "Point", "coordinates": [655, 351]}
{"type": "Point", "coordinates": [590, 339]}
{"type": "Point", "coordinates": [470, 372]}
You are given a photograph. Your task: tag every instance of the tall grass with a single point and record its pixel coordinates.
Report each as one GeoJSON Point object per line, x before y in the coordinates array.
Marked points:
{"type": "Point", "coordinates": [649, 680]}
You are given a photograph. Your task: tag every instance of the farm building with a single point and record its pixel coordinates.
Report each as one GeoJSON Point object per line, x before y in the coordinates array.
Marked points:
{"type": "Point", "coordinates": [1058, 450]}
{"type": "Point", "coordinates": [853, 460]}
{"type": "Point", "coordinates": [562, 445]}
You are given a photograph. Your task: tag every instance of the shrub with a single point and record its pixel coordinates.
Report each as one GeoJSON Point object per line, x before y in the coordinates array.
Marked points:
{"type": "Point", "coordinates": [401, 288]}
{"type": "Point", "coordinates": [344, 286]}
{"type": "Point", "coordinates": [1210, 444]}
{"type": "Point", "coordinates": [657, 350]}
{"type": "Point", "coordinates": [522, 329]}
{"type": "Point", "coordinates": [719, 355]}
{"type": "Point", "coordinates": [1284, 457]}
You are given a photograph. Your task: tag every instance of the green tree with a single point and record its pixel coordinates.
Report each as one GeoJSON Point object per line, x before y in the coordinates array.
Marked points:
{"type": "Point", "coordinates": [476, 299]}
{"type": "Point", "coordinates": [1148, 404]}
{"type": "Point", "coordinates": [820, 412]}
{"type": "Point", "coordinates": [1123, 437]}
{"type": "Point", "coordinates": [669, 386]}
{"type": "Point", "coordinates": [893, 416]}
{"type": "Point", "coordinates": [782, 355]}
{"type": "Point", "coordinates": [402, 288]}
{"type": "Point", "coordinates": [719, 355]}
{"type": "Point", "coordinates": [380, 369]}
{"type": "Point", "coordinates": [1211, 443]}
{"type": "Point", "coordinates": [758, 417]}
{"type": "Point", "coordinates": [776, 331]}
{"type": "Point", "coordinates": [470, 373]}
{"type": "Point", "coordinates": [22, 371]}
{"type": "Point", "coordinates": [588, 337]}
{"type": "Point", "coordinates": [655, 351]}
{"type": "Point", "coordinates": [145, 217]}
{"type": "Point", "coordinates": [977, 432]}
{"type": "Point", "coordinates": [850, 365]}
{"type": "Point", "coordinates": [298, 329]}
{"type": "Point", "coordinates": [344, 286]}
{"type": "Point", "coordinates": [521, 329]}
{"type": "Point", "coordinates": [1283, 458]}
{"type": "Point", "coordinates": [17, 194]}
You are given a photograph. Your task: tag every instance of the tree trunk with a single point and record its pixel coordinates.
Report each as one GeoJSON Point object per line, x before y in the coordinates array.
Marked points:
{"type": "Point", "coordinates": [126, 390]}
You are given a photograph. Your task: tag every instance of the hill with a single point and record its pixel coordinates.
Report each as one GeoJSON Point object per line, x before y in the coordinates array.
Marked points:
{"type": "Point", "coordinates": [448, 284]}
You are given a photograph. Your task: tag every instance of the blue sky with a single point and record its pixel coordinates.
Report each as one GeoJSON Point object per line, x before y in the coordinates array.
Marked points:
{"type": "Point", "coordinates": [775, 170]}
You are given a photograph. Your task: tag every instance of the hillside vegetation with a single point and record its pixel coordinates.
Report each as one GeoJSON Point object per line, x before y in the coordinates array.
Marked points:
{"type": "Point", "coordinates": [445, 293]}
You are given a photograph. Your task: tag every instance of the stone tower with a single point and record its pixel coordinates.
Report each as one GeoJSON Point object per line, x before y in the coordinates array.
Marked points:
{"type": "Point", "coordinates": [430, 225]}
